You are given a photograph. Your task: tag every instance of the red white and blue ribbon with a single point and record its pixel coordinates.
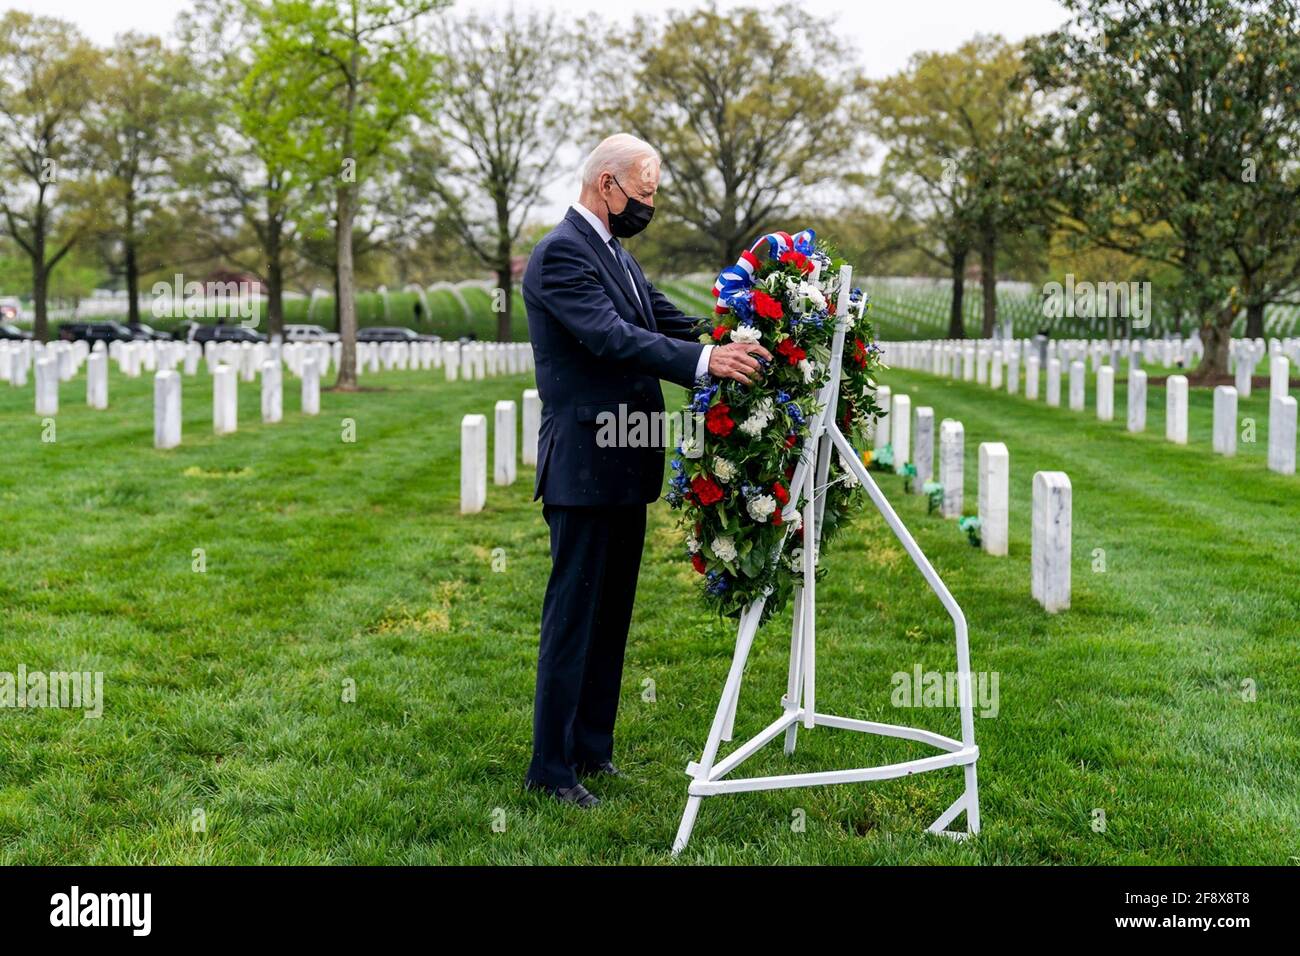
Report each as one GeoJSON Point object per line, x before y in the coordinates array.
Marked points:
{"type": "Point", "coordinates": [737, 280]}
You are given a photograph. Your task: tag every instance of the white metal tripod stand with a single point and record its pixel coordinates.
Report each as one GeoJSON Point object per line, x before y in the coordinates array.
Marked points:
{"type": "Point", "coordinates": [808, 486]}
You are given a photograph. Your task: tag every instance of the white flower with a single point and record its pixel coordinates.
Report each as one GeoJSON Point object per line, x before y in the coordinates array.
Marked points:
{"type": "Point", "coordinates": [691, 447]}
{"type": "Point", "coordinates": [758, 419]}
{"type": "Point", "coordinates": [692, 543]}
{"type": "Point", "coordinates": [814, 296]}
{"type": "Point", "coordinates": [850, 479]}
{"type": "Point", "coordinates": [746, 334]}
{"type": "Point", "coordinates": [809, 370]}
{"type": "Point", "coordinates": [761, 507]}
{"type": "Point", "coordinates": [724, 470]}
{"type": "Point", "coordinates": [724, 549]}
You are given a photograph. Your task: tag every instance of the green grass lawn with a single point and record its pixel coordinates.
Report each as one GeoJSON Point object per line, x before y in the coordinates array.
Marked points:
{"type": "Point", "coordinates": [332, 562]}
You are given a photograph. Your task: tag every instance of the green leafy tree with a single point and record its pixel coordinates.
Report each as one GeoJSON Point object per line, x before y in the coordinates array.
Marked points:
{"type": "Point", "coordinates": [504, 118]}
{"type": "Point", "coordinates": [46, 90]}
{"type": "Point", "coordinates": [135, 145]}
{"type": "Point", "coordinates": [752, 110]}
{"type": "Point", "coordinates": [352, 75]}
{"type": "Point", "coordinates": [954, 128]}
{"type": "Point", "coordinates": [1160, 105]}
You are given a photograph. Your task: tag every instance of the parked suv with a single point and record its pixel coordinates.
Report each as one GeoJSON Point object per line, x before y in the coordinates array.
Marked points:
{"type": "Point", "coordinates": [10, 331]}
{"type": "Point", "coordinates": [93, 332]}
{"type": "Point", "coordinates": [393, 333]}
{"type": "Point", "coordinates": [223, 333]}
{"type": "Point", "coordinates": [148, 332]}
{"type": "Point", "coordinates": [308, 333]}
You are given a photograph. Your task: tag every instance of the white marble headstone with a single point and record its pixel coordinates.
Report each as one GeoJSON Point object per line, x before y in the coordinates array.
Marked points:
{"type": "Point", "coordinates": [473, 463]}
{"type": "Point", "coordinates": [1224, 437]}
{"type": "Point", "coordinates": [1137, 400]}
{"type": "Point", "coordinates": [166, 409]}
{"type": "Point", "coordinates": [1051, 543]}
{"type": "Point", "coordinates": [1176, 409]}
{"type": "Point", "coordinates": [923, 447]}
{"type": "Point", "coordinates": [994, 494]}
{"type": "Point", "coordinates": [532, 424]}
{"type": "Point", "coordinates": [504, 467]}
{"type": "Point", "coordinates": [900, 430]}
{"type": "Point", "coordinates": [1105, 393]}
{"type": "Point", "coordinates": [1281, 435]}
{"type": "Point", "coordinates": [952, 452]}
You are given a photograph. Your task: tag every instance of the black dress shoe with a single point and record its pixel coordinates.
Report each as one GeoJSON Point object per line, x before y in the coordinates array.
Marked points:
{"type": "Point", "coordinates": [605, 768]}
{"type": "Point", "coordinates": [577, 794]}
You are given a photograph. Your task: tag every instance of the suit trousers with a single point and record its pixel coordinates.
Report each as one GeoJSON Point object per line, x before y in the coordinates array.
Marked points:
{"type": "Point", "coordinates": [595, 560]}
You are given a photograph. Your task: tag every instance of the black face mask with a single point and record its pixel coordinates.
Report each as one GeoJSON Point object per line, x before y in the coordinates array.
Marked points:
{"type": "Point", "coordinates": [635, 216]}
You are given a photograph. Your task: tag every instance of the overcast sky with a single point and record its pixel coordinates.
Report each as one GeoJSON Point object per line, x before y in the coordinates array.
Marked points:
{"type": "Point", "coordinates": [886, 33]}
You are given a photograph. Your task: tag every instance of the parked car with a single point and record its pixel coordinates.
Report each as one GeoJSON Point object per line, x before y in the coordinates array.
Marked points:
{"type": "Point", "coordinates": [222, 333]}
{"type": "Point", "coordinates": [148, 332]}
{"type": "Point", "coordinates": [393, 333]}
{"type": "Point", "coordinates": [93, 332]}
{"type": "Point", "coordinates": [309, 333]}
{"type": "Point", "coordinates": [10, 331]}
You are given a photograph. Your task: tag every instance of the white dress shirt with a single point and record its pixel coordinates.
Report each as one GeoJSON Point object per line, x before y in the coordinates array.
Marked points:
{"type": "Point", "coordinates": [701, 367]}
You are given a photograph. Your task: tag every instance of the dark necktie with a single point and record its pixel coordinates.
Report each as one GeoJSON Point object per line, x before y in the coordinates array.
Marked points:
{"type": "Point", "coordinates": [625, 261]}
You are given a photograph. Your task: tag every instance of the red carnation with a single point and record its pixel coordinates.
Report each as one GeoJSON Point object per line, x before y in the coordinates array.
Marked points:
{"type": "Point", "coordinates": [766, 306]}
{"type": "Point", "coordinates": [793, 354]}
{"type": "Point", "coordinates": [790, 439]}
{"type": "Point", "coordinates": [697, 561]}
{"type": "Point", "coordinates": [777, 520]}
{"type": "Point", "coordinates": [718, 332]}
{"type": "Point", "coordinates": [718, 420]}
{"type": "Point", "coordinates": [798, 260]}
{"type": "Point", "coordinates": [781, 494]}
{"type": "Point", "coordinates": [860, 353]}
{"type": "Point", "coordinates": [706, 490]}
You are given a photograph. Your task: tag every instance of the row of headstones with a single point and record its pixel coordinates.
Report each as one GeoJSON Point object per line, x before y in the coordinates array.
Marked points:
{"type": "Point", "coordinates": [225, 399]}
{"type": "Point", "coordinates": [911, 436]}
{"type": "Point", "coordinates": [477, 360]}
{"type": "Point", "coordinates": [973, 359]}
{"type": "Point", "coordinates": [474, 443]}
{"type": "Point", "coordinates": [987, 367]}
{"type": "Point", "coordinates": [57, 362]}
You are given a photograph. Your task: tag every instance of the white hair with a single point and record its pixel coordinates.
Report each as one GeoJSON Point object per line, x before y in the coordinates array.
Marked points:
{"type": "Point", "coordinates": [622, 154]}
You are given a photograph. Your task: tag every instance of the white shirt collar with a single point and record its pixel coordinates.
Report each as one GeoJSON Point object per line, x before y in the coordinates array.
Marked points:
{"type": "Point", "coordinates": [592, 218]}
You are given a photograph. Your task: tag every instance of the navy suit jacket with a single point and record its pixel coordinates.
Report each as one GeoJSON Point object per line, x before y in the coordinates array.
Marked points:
{"type": "Point", "coordinates": [597, 348]}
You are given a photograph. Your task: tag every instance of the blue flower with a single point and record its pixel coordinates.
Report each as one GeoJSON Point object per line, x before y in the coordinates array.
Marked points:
{"type": "Point", "coordinates": [703, 397]}
{"type": "Point", "coordinates": [743, 306]}
{"type": "Point", "coordinates": [717, 582]}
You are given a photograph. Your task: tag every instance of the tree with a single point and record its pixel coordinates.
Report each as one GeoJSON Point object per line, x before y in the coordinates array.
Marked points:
{"type": "Point", "coordinates": [352, 77]}
{"type": "Point", "coordinates": [751, 111]}
{"type": "Point", "coordinates": [134, 140]}
{"type": "Point", "coordinates": [502, 123]}
{"type": "Point", "coordinates": [46, 71]}
{"type": "Point", "coordinates": [1161, 106]}
{"type": "Point", "coordinates": [245, 167]}
{"type": "Point", "coordinates": [954, 126]}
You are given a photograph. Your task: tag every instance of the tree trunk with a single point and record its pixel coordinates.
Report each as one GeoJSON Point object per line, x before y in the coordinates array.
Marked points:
{"type": "Point", "coordinates": [1255, 320]}
{"type": "Point", "coordinates": [132, 266]}
{"type": "Point", "coordinates": [989, 284]}
{"type": "Point", "coordinates": [132, 282]}
{"type": "Point", "coordinates": [274, 279]}
{"type": "Point", "coordinates": [1216, 337]}
{"type": "Point", "coordinates": [40, 283]}
{"type": "Point", "coordinates": [956, 322]}
{"type": "Point", "coordinates": [345, 305]}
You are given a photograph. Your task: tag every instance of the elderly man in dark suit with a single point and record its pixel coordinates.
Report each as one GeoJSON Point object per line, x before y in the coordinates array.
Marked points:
{"type": "Point", "coordinates": [603, 337]}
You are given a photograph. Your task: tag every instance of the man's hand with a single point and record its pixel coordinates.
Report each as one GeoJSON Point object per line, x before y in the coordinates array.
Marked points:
{"type": "Point", "coordinates": [736, 360]}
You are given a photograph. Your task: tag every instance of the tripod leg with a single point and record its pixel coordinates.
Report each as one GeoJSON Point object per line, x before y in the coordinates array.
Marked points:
{"type": "Point", "coordinates": [744, 641]}
{"type": "Point", "coordinates": [794, 682]}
